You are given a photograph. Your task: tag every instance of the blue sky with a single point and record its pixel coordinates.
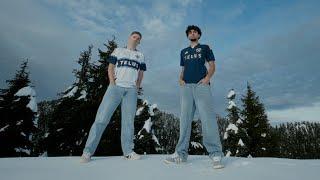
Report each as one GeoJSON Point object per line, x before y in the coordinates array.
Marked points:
{"type": "Point", "coordinates": [274, 45]}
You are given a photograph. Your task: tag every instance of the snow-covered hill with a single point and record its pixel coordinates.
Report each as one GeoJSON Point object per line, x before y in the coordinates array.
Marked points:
{"type": "Point", "coordinates": [151, 167]}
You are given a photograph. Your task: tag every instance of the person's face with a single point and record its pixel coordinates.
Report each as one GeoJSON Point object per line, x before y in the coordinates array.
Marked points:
{"type": "Point", "coordinates": [193, 35]}
{"type": "Point", "coordinates": [134, 39]}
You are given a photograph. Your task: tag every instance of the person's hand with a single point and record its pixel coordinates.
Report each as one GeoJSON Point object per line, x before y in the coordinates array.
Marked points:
{"type": "Point", "coordinates": [181, 82]}
{"type": "Point", "coordinates": [204, 81]}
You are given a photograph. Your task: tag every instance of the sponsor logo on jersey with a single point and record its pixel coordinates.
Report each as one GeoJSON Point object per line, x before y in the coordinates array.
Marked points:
{"type": "Point", "coordinates": [128, 63]}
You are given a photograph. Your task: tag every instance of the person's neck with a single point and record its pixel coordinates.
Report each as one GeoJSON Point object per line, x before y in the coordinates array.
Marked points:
{"type": "Point", "coordinates": [194, 43]}
{"type": "Point", "coordinates": [131, 47]}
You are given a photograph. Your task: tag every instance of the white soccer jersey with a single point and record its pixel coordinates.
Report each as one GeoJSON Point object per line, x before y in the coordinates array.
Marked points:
{"type": "Point", "coordinates": [128, 63]}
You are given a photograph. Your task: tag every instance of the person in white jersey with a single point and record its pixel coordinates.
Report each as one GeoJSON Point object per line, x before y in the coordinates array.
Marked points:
{"type": "Point", "coordinates": [125, 71]}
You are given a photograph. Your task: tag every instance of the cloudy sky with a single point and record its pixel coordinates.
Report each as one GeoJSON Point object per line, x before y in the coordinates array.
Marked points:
{"type": "Point", "coordinates": [274, 45]}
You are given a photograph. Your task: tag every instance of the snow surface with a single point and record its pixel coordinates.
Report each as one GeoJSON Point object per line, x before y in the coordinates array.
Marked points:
{"type": "Point", "coordinates": [240, 142]}
{"type": "Point", "coordinates": [153, 167]}
{"type": "Point", "coordinates": [72, 92]}
{"type": "Point", "coordinates": [33, 105]}
{"type": "Point", "coordinates": [19, 122]}
{"type": "Point", "coordinates": [4, 128]}
{"type": "Point", "coordinates": [232, 127]}
{"type": "Point", "coordinates": [231, 105]}
{"type": "Point", "coordinates": [239, 121]}
{"type": "Point", "coordinates": [26, 91]}
{"type": "Point", "coordinates": [139, 111]}
{"type": "Point", "coordinates": [196, 145]}
{"type": "Point", "coordinates": [145, 102]}
{"type": "Point", "coordinates": [147, 126]}
{"type": "Point", "coordinates": [46, 135]}
{"type": "Point", "coordinates": [27, 151]}
{"type": "Point", "coordinates": [155, 139]}
{"type": "Point", "coordinates": [83, 95]}
{"type": "Point", "coordinates": [231, 93]}
{"type": "Point", "coordinates": [29, 91]}
{"type": "Point", "coordinates": [228, 154]}
{"type": "Point", "coordinates": [151, 108]}
{"type": "Point", "coordinates": [225, 135]}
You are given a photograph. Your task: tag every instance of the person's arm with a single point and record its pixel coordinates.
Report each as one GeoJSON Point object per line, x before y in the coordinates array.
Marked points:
{"type": "Point", "coordinates": [111, 73]}
{"type": "Point", "coordinates": [181, 81]}
{"type": "Point", "coordinates": [139, 80]}
{"type": "Point", "coordinates": [211, 70]}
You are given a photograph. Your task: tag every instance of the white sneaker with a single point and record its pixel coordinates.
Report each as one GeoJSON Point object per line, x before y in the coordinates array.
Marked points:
{"type": "Point", "coordinates": [132, 156]}
{"type": "Point", "coordinates": [175, 158]}
{"type": "Point", "coordinates": [85, 158]}
{"type": "Point", "coordinates": [217, 162]}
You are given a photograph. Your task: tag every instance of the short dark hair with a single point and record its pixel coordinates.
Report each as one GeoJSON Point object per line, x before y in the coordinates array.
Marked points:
{"type": "Point", "coordinates": [193, 27]}
{"type": "Point", "coordinates": [136, 32]}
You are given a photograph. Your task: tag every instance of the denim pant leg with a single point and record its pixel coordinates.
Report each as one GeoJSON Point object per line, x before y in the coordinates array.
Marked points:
{"type": "Point", "coordinates": [128, 112]}
{"type": "Point", "coordinates": [110, 102]}
{"type": "Point", "coordinates": [204, 103]}
{"type": "Point", "coordinates": [187, 114]}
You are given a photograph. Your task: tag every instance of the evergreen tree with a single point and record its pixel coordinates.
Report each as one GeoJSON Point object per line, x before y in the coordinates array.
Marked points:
{"type": "Point", "coordinates": [256, 125]}
{"type": "Point", "coordinates": [146, 142]}
{"type": "Point", "coordinates": [166, 128]}
{"type": "Point", "coordinates": [196, 142]}
{"type": "Point", "coordinates": [18, 113]}
{"type": "Point", "coordinates": [298, 140]}
{"type": "Point", "coordinates": [234, 133]}
{"type": "Point", "coordinates": [76, 109]}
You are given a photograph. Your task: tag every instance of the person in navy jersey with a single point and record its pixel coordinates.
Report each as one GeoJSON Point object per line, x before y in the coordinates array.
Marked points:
{"type": "Point", "coordinates": [125, 71]}
{"type": "Point", "coordinates": [195, 93]}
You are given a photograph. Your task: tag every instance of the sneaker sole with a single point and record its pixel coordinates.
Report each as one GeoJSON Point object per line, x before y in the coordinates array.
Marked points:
{"type": "Point", "coordinates": [132, 159]}
{"type": "Point", "coordinates": [84, 161]}
{"type": "Point", "coordinates": [167, 162]}
{"type": "Point", "coordinates": [170, 162]}
{"type": "Point", "coordinates": [218, 167]}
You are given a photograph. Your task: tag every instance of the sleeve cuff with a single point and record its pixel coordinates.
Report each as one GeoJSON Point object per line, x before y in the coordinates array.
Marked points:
{"type": "Point", "coordinates": [112, 59]}
{"type": "Point", "coordinates": [143, 67]}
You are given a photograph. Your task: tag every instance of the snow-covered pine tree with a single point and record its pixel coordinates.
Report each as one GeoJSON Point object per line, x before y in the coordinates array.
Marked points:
{"type": "Point", "coordinates": [66, 131]}
{"type": "Point", "coordinates": [256, 124]}
{"type": "Point", "coordinates": [166, 128]}
{"type": "Point", "coordinates": [76, 110]}
{"type": "Point", "coordinates": [234, 133]}
{"type": "Point", "coordinates": [18, 113]}
{"type": "Point", "coordinates": [146, 142]}
{"type": "Point", "coordinates": [196, 144]}
{"type": "Point", "coordinates": [99, 82]}
{"type": "Point", "coordinates": [298, 140]}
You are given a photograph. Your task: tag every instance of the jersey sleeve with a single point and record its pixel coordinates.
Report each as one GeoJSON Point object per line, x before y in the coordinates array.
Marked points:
{"type": "Point", "coordinates": [113, 57]}
{"type": "Point", "coordinates": [209, 54]}
{"type": "Point", "coordinates": [181, 59]}
{"type": "Point", "coordinates": [143, 66]}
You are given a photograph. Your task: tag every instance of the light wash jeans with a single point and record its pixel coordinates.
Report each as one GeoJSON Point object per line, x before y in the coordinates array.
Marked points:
{"type": "Point", "coordinates": [111, 99]}
{"type": "Point", "coordinates": [198, 96]}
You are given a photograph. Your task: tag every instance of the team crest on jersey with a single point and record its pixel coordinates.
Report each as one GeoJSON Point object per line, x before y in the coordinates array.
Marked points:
{"type": "Point", "coordinates": [186, 52]}
{"type": "Point", "coordinates": [198, 50]}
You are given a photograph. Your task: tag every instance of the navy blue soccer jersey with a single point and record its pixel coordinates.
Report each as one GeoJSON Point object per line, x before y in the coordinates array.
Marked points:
{"type": "Point", "coordinates": [193, 60]}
